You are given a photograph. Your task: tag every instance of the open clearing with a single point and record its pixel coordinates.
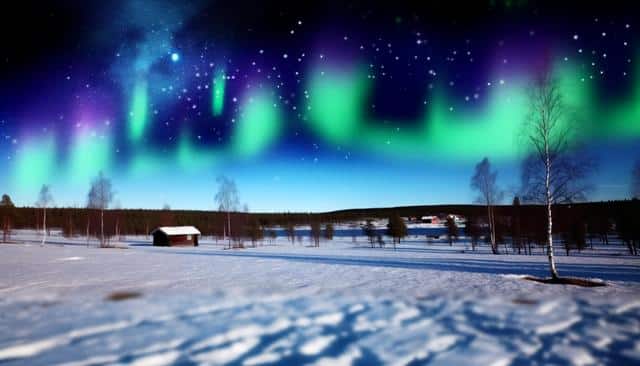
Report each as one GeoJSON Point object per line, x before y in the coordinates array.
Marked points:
{"type": "Point", "coordinates": [341, 304]}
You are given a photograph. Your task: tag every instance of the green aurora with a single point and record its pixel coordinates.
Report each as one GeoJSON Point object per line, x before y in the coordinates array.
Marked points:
{"type": "Point", "coordinates": [335, 112]}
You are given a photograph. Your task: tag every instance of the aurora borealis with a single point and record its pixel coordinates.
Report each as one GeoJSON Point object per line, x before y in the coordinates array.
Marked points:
{"type": "Point", "coordinates": [309, 107]}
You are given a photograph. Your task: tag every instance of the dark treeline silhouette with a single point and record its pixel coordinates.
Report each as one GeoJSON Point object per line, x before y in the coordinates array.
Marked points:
{"type": "Point", "coordinates": [519, 225]}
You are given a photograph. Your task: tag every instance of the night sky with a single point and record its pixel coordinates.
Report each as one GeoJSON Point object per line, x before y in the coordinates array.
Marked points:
{"type": "Point", "coordinates": [308, 106]}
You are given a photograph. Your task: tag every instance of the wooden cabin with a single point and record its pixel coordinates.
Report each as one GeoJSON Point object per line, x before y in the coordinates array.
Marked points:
{"type": "Point", "coordinates": [175, 236]}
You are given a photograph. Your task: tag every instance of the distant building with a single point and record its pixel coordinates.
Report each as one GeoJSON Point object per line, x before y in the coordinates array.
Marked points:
{"type": "Point", "coordinates": [458, 219]}
{"type": "Point", "coordinates": [430, 220]}
{"type": "Point", "coordinates": [374, 221]}
{"type": "Point", "coordinates": [175, 235]}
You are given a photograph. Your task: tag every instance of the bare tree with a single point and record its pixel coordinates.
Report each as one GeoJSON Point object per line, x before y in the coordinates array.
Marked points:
{"type": "Point", "coordinates": [88, 210]}
{"type": "Point", "coordinates": [255, 231]}
{"type": "Point", "coordinates": [484, 181]}
{"type": "Point", "coordinates": [315, 233]}
{"type": "Point", "coordinates": [290, 229]}
{"type": "Point", "coordinates": [472, 230]}
{"type": "Point", "coordinates": [227, 200]}
{"type": "Point", "coordinates": [369, 230]}
{"type": "Point", "coordinates": [99, 198]}
{"type": "Point", "coordinates": [45, 198]}
{"type": "Point", "coordinates": [328, 231]}
{"type": "Point", "coordinates": [452, 229]}
{"type": "Point", "coordinates": [551, 174]}
{"type": "Point", "coordinates": [635, 180]}
{"type": "Point", "coordinates": [117, 208]}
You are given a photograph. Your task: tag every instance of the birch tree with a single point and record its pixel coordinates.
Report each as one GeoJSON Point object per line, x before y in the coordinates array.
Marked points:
{"type": "Point", "coordinates": [484, 181]}
{"type": "Point", "coordinates": [99, 198]}
{"type": "Point", "coordinates": [45, 199]}
{"type": "Point", "coordinates": [551, 174]}
{"type": "Point", "coordinates": [227, 200]}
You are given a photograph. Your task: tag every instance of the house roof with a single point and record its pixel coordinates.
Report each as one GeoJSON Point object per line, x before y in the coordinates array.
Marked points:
{"type": "Point", "coordinates": [178, 230]}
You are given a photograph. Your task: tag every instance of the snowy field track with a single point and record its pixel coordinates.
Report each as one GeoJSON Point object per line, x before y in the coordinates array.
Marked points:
{"type": "Point", "coordinates": [340, 304]}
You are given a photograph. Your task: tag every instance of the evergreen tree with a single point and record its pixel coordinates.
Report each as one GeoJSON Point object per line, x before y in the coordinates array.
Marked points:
{"type": "Point", "coordinates": [6, 201]}
{"type": "Point", "coordinates": [6, 215]}
{"type": "Point", "coordinates": [397, 229]}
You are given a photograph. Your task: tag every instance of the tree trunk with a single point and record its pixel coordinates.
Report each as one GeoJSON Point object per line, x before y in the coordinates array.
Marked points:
{"type": "Point", "coordinates": [44, 226]}
{"type": "Point", "coordinates": [117, 229]}
{"type": "Point", "coordinates": [229, 226]}
{"type": "Point", "coordinates": [88, 222]}
{"type": "Point", "coordinates": [102, 228]}
{"type": "Point", "coordinates": [493, 231]}
{"type": "Point", "coordinates": [492, 235]}
{"type": "Point", "coordinates": [552, 262]}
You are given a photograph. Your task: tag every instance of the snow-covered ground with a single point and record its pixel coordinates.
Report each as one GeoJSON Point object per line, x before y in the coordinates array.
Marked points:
{"type": "Point", "coordinates": [341, 304]}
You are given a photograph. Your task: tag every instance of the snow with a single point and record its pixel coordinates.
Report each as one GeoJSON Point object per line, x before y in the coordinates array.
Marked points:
{"type": "Point", "coordinates": [556, 327]}
{"type": "Point", "coordinates": [178, 230]}
{"type": "Point", "coordinates": [317, 345]}
{"type": "Point", "coordinates": [159, 359]}
{"type": "Point", "coordinates": [341, 304]}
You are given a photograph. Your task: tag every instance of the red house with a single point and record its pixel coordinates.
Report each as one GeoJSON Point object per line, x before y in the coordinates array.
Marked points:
{"type": "Point", "coordinates": [175, 235]}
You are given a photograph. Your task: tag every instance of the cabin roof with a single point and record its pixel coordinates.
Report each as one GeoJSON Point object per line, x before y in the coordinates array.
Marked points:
{"type": "Point", "coordinates": [178, 230]}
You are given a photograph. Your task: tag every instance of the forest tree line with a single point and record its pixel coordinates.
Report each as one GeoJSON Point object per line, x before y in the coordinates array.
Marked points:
{"type": "Point", "coordinates": [518, 227]}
